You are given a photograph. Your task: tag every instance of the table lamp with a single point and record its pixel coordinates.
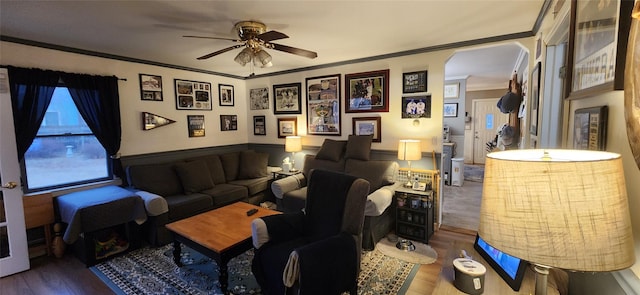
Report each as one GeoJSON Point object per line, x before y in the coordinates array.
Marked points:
{"type": "Point", "coordinates": [293, 144]}
{"type": "Point", "coordinates": [557, 208]}
{"type": "Point", "coordinates": [409, 150]}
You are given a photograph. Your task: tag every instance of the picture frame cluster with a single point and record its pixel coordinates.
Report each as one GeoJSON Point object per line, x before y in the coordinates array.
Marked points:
{"type": "Point", "coordinates": [364, 93]}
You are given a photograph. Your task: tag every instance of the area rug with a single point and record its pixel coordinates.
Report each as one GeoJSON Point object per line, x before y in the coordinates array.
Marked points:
{"type": "Point", "coordinates": [423, 254]}
{"type": "Point", "coordinates": [152, 271]}
{"type": "Point", "coordinates": [474, 173]}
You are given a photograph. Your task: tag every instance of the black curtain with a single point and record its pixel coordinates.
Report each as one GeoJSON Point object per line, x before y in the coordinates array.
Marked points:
{"type": "Point", "coordinates": [96, 98]}
{"type": "Point", "coordinates": [98, 102]}
{"type": "Point", "coordinates": [31, 92]}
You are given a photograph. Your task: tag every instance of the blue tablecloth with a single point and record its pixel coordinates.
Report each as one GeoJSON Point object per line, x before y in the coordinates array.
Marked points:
{"type": "Point", "coordinates": [98, 208]}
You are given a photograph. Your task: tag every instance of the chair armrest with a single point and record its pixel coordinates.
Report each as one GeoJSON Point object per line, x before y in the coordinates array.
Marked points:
{"type": "Point", "coordinates": [284, 185]}
{"type": "Point", "coordinates": [154, 204]}
{"type": "Point", "coordinates": [275, 228]}
{"type": "Point", "coordinates": [323, 261]}
{"type": "Point", "coordinates": [379, 200]}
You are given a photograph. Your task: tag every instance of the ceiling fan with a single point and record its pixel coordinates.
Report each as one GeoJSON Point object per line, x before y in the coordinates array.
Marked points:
{"type": "Point", "coordinates": [254, 37]}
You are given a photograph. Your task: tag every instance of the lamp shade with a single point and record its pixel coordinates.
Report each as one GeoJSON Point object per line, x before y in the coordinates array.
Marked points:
{"type": "Point", "coordinates": [560, 208]}
{"type": "Point", "coordinates": [409, 150]}
{"type": "Point", "coordinates": [244, 56]}
{"type": "Point", "coordinates": [292, 144]}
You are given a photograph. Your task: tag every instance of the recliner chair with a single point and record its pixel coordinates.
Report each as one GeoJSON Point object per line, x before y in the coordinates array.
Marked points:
{"type": "Point", "coordinates": [317, 250]}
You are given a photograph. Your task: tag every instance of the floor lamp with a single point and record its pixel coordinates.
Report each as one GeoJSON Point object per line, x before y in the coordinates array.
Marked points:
{"type": "Point", "coordinates": [409, 150]}
{"type": "Point", "coordinates": [293, 144]}
{"type": "Point", "coordinates": [558, 209]}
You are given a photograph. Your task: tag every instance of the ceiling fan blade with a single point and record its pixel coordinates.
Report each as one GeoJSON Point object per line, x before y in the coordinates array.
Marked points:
{"type": "Point", "coordinates": [214, 38]}
{"type": "Point", "coordinates": [272, 35]}
{"type": "Point", "coordinates": [293, 50]}
{"type": "Point", "coordinates": [220, 51]}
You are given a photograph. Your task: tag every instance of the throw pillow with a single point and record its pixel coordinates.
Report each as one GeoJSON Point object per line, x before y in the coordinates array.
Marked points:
{"type": "Point", "coordinates": [230, 162]}
{"type": "Point", "coordinates": [195, 176]}
{"type": "Point", "coordinates": [331, 150]}
{"type": "Point", "coordinates": [253, 165]}
{"type": "Point", "coordinates": [359, 147]}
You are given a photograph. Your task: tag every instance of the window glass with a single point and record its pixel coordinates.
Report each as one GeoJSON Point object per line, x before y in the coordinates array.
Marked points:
{"type": "Point", "coordinates": [65, 152]}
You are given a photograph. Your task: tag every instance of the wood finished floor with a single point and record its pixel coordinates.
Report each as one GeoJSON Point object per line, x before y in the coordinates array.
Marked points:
{"type": "Point", "coordinates": [69, 276]}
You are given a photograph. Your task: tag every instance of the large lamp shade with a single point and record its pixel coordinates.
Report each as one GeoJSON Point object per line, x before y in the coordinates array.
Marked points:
{"type": "Point", "coordinates": [558, 208]}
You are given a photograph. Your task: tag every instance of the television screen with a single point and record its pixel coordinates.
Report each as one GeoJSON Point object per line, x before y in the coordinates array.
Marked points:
{"type": "Point", "coordinates": [511, 269]}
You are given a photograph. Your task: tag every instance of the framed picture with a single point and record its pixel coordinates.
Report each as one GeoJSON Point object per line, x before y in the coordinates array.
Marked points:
{"type": "Point", "coordinates": [590, 128]}
{"type": "Point", "coordinates": [368, 126]}
{"type": "Point", "coordinates": [414, 107]}
{"type": "Point", "coordinates": [287, 127]}
{"type": "Point", "coordinates": [228, 122]}
{"type": "Point", "coordinates": [286, 99]}
{"type": "Point", "coordinates": [323, 105]}
{"type": "Point", "coordinates": [534, 90]}
{"type": "Point", "coordinates": [414, 82]}
{"type": "Point", "coordinates": [225, 95]}
{"type": "Point", "coordinates": [150, 87]}
{"type": "Point", "coordinates": [597, 46]}
{"type": "Point", "coordinates": [452, 90]}
{"type": "Point", "coordinates": [450, 110]}
{"type": "Point", "coordinates": [367, 92]}
{"type": "Point", "coordinates": [192, 95]}
{"type": "Point", "coordinates": [259, 125]}
{"type": "Point", "coordinates": [195, 124]}
{"type": "Point", "coordinates": [259, 98]}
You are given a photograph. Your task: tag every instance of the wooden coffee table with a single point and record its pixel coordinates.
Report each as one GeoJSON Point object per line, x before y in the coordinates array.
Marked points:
{"type": "Point", "coordinates": [220, 234]}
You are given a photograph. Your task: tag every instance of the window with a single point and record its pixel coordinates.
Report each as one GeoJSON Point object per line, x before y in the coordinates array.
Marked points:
{"type": "Point", "coordinates": [65, 152]}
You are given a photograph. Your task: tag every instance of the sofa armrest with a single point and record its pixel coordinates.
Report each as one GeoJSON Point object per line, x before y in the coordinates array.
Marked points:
{"type": "Point", "coordinates": [154, 204]}
{"type": "Point", "coordinates": [284, 185]}
{"type": "Point", "coordinates": [379, 200]}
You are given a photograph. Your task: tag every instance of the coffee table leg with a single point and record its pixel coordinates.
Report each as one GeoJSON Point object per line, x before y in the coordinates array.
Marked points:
{"type": "Point", "coordinates": [176, 253]}
{"type": "Point", "coordinates": [224, 277]}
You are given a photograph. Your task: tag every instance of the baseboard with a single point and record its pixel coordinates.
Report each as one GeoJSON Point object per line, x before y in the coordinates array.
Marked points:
{"type": "Point", "coordinates": [628, 281]}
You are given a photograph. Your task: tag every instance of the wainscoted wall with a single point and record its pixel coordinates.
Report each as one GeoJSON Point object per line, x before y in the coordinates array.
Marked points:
{"type": "Point", "coordinates": [276, 155]}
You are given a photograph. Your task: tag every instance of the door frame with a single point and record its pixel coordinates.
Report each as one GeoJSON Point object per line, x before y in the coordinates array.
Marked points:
{"type": "Point", "coordinates": [18, 259]}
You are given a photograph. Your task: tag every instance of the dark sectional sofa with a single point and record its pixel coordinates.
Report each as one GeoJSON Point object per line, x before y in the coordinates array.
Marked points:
{"type": "Point", "coordinates": [183, 188]}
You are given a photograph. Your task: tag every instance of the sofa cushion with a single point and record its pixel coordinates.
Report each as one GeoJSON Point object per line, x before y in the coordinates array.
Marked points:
{"type": "Point", "coordinates": [253, 165]}
{"type": "Point", "coordinates": [310, 162]}
{"type": "Point", "coordinates": [359, 147]}
{"type": "Point", "coordinates": [159, 179]}
{"type": "Point", "coordinates": [226, 193]}
{"type": "Point", "coordinates": [183, 206]}
{"type": "Point", "coordinates": [378, 173]}
{"type": "Point", "coordinates": [230, 163]}
{"type": "Point", "coordinates": [194, 176]}
{"type": "Point", "coordinates": [254, 185]}
{"type": "Point", "coordinates": [215, 167]}
{"type": "Point", "coordinates": [331, 150]}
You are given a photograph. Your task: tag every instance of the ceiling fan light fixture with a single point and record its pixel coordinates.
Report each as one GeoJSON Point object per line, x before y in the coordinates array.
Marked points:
{"type": "Point", "coordinates": [244, 56]}
{"type": "Point", "coordinates": [262, 58]}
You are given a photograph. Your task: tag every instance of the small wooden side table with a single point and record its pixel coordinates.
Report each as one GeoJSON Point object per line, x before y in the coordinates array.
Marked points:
{"type": "Point", "coordinates": [38, 212]}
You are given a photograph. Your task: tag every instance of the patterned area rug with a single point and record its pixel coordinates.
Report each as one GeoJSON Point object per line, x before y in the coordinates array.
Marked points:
{"type": "Point", "coordinates": [152, 271]}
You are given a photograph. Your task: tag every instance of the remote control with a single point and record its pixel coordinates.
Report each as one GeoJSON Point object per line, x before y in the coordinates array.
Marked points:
{"type": "Point", "coordinates": [252, 211]}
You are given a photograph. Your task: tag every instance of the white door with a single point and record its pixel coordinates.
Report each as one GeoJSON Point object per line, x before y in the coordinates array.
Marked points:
{"type": "Point", "coordinates": [14, 256]}
{"type": "Point", "coordinates": [487, 119]}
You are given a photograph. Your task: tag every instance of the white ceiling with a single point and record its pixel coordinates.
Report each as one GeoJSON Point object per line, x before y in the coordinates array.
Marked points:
{"type": "Point", "coordinates": [339, 31]}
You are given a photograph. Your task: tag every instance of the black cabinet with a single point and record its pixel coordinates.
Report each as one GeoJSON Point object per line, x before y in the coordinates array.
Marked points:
{"type": "Point", "coordinates": [414, 214]}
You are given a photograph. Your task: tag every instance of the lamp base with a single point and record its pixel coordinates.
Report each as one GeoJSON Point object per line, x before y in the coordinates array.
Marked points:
{"type": "Point", "coordinates": [542, 272]}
